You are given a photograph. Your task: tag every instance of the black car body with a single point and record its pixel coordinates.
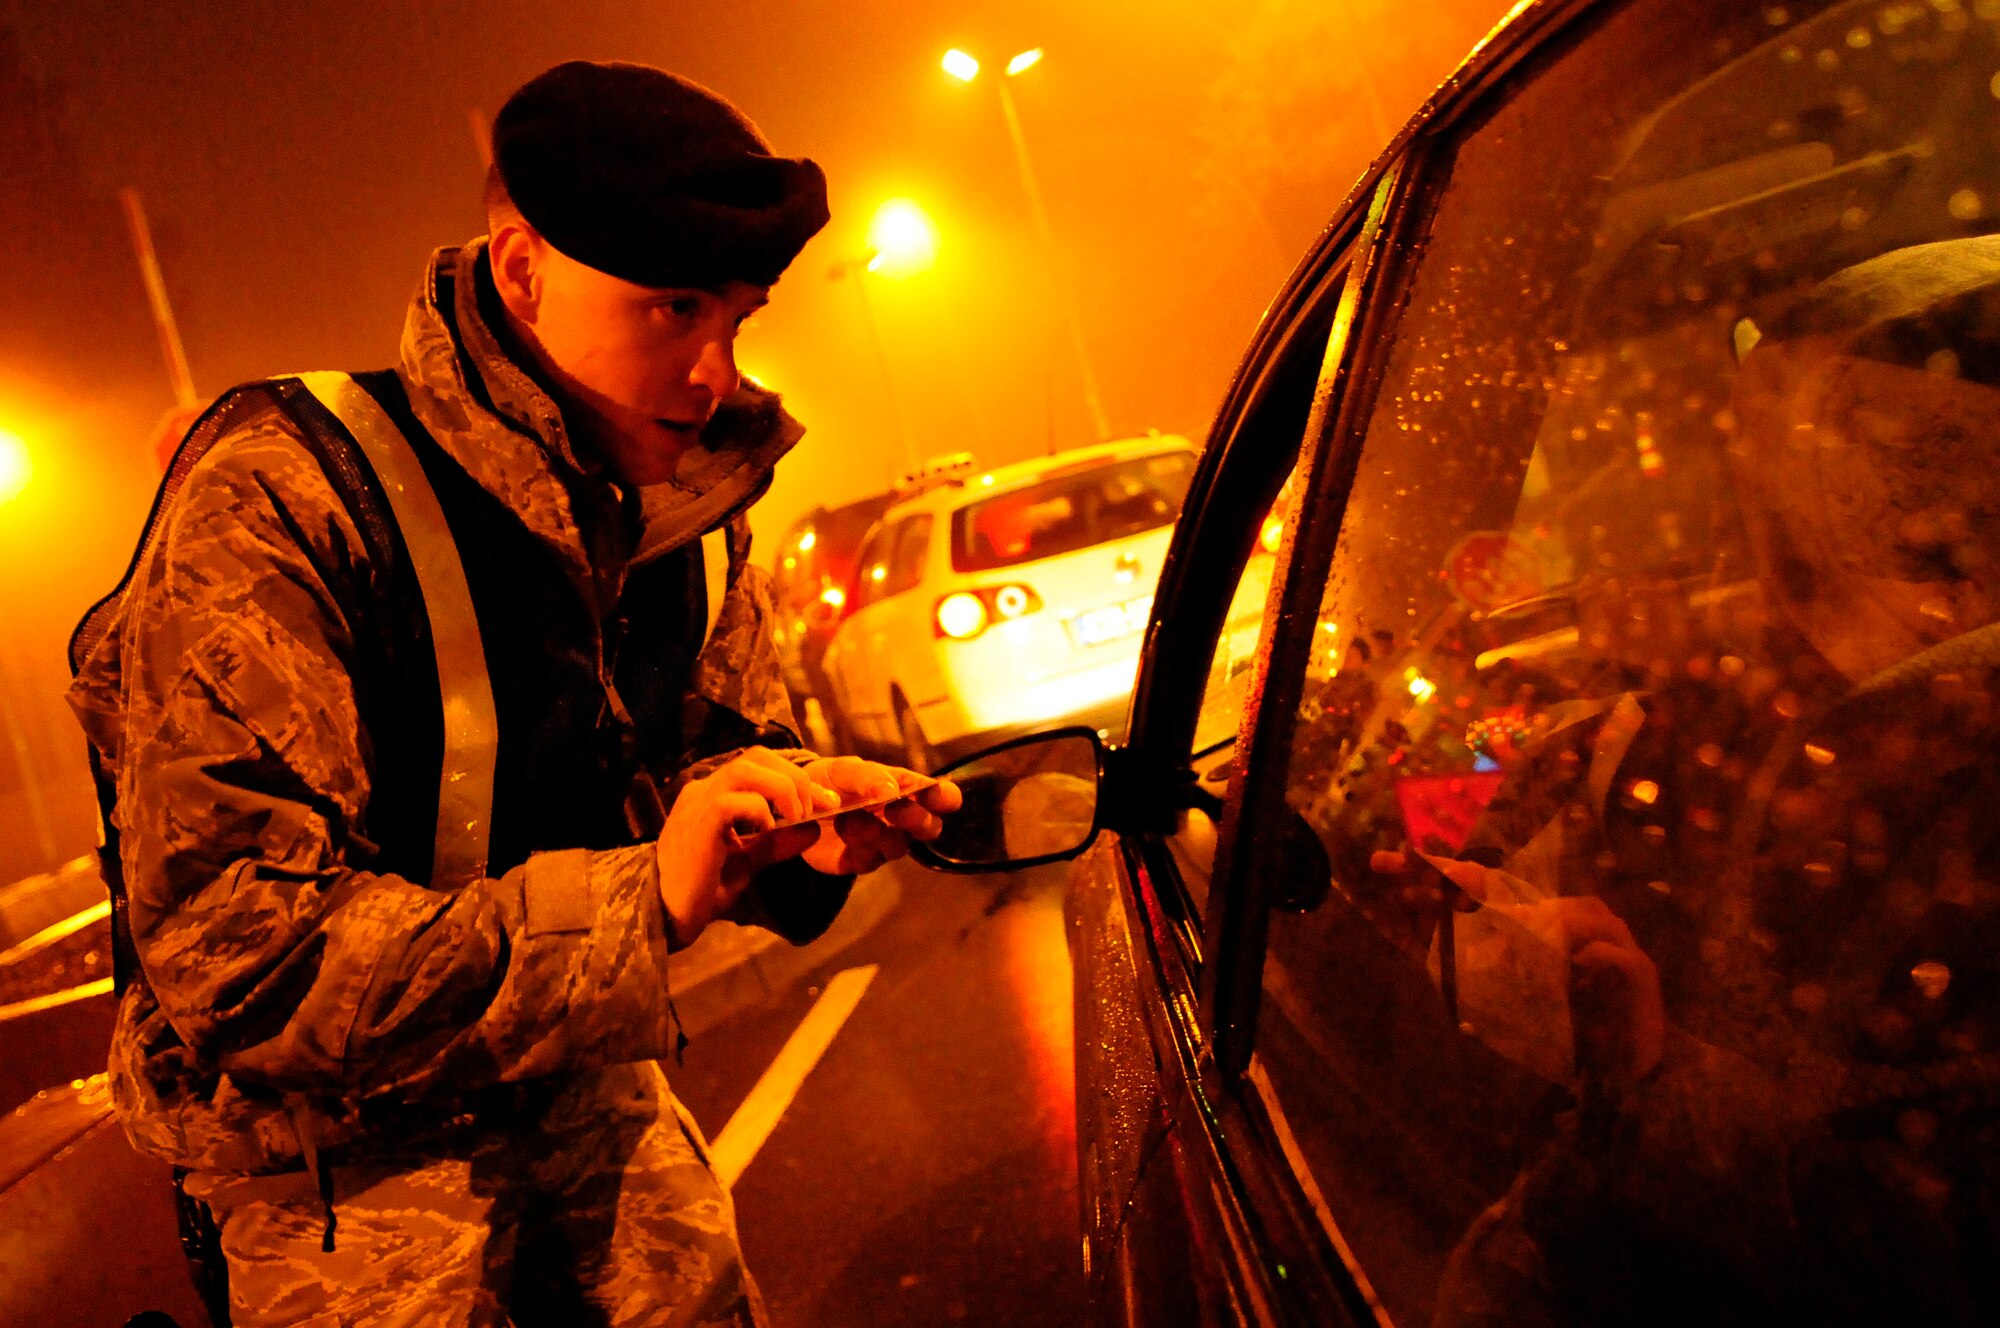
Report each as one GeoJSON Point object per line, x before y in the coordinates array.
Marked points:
{"type": "Point", "coordinates": [1579, 901]}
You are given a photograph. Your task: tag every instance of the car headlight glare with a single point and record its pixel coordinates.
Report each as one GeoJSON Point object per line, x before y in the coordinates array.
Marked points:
{"type": "Point", "coordinates": [961, 616]}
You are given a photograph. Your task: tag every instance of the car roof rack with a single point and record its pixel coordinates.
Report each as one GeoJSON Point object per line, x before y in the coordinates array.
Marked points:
{"type": "Point", "coordinates": [936, 473]}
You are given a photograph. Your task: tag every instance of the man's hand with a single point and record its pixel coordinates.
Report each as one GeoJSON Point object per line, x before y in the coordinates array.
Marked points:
{"type": "Point", "coordinates": [862, 841]}
{"type": "Point", "coordinates": [719, 835]}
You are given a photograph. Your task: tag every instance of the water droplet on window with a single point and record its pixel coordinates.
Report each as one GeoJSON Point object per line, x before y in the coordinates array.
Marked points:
{"type": "Point", "coordinates": [1966, 205]}
{"type": "Point", "coordinates": [1827, 61]}
{"type": "Point", "coordinates": [1819, 755]}
{"type": "Point", "coordinates": [1645, 792]}
{"type": "Point", "coordinates": [1859, 37]}
{"type": "Point", "coordinates": [1776, 16]}
{"type": "Point", "coordinates": [1931, 978]}
{"type": "Point", "coordinates": [1809, 998]}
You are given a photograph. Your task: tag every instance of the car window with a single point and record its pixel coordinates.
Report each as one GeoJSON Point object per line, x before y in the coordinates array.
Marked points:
{"type": "Point", "coordinates": [1071, 509]}
{"type": "Point", "coordinates": [1651, 742]}
{"type": "Point", "coordinates": [912, 545]}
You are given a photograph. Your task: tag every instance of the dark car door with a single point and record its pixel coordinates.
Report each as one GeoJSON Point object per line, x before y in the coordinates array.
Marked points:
{"type": "Point", "coordinates": [1598, 927]}
{"type": "Point", "coordinates": [1595, 932]}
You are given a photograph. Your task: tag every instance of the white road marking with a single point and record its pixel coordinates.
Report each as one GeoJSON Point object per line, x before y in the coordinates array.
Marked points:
{"type": "Point", "coordinates": [733, 1149]}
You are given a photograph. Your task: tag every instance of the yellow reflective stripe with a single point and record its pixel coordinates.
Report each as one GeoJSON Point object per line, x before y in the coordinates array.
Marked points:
{"type": "Point", "coordinates": [471, 731]}
{"type": "Point", "coordinates": [715, 572]}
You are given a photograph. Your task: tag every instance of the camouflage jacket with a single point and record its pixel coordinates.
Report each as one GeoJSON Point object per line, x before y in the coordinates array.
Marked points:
{"type": "Point", "coordinates": [285, 996]}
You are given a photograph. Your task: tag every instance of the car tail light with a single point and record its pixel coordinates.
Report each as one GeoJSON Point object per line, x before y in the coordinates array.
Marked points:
{"type": "Point", "coordinates": [961, 617]}
{"type": "Point", "coordinates": [965, 614]}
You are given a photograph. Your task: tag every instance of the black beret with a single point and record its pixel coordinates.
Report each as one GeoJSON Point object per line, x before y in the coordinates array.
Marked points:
{"type": "Point", "coordinates": [653, 178]}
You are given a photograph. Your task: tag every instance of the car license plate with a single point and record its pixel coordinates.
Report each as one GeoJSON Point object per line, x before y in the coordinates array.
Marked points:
{"type": "Point", "coordinates": [1097, 626]}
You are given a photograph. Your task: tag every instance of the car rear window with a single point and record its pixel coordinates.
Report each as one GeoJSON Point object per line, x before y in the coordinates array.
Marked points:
{"type": "Point", "coordinates": [1071, 510]}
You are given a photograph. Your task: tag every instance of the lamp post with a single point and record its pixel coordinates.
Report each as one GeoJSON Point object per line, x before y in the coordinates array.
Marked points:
{"type": "Point", "coordinates": [965, 68]}
{"type": "Point", "coordinates": [16, 469]}
{"type": "Point", "coordinates": [901, 243]}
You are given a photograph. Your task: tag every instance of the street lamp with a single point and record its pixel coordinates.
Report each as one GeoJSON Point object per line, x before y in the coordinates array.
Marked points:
{"type": "Point", "coordinates": [965, 68]}
{"type": "Point", "coordinates": [17, 468]}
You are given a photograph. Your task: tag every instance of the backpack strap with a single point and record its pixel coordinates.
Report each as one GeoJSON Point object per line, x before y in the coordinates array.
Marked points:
{"type": "Point", "coordinates": [471, 729]}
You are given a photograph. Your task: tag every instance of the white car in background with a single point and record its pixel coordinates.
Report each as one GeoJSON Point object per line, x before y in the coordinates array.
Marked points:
{"type": "Point", "coordinates": [998, 602]}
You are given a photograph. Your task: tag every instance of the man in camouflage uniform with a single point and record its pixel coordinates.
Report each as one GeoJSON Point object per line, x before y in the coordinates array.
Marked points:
{"type": "Point", "coordinates": [408, 1099]}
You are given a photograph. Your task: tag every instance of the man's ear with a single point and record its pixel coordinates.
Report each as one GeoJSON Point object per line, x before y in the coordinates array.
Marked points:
{"type": "Point", "coordinates": [514, 251]}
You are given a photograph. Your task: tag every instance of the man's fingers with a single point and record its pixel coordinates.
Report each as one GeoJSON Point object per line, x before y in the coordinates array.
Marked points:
{"type": "Point", "coordinates": [866, 832]}
{"type": "Point", "coordinates": [942, 797]}
{"type": "Point", "coordinates": [852, 775]}
{"type": "Point", "coordinates": [1588, 921]}
{"type": "Point", "coordinates": [910, 815]}
{"type": "Point", "coordinates": [743, 814]}
{"type": "Point", "coordinates": [764, 758]}
{"type": "Point", "coordinates": [791, 797]}
{"type": "Point", "coordinates": [782, 845]}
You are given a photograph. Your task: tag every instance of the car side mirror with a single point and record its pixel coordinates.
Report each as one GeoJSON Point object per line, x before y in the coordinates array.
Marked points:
{"type": "Point", "coordinates": [1027, 802]}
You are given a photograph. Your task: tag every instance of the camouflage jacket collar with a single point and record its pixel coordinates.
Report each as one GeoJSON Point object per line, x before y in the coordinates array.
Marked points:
{"type": "Point", "coordinates": [494, 419]}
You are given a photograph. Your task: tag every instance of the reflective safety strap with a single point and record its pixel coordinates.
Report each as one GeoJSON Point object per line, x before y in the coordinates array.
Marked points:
{"type": "Point", "coordinates": [714, 572]}
{"type": "Point", "coordinates": [471, 731]}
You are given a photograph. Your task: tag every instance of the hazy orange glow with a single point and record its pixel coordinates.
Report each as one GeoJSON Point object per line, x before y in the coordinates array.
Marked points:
{"type": "Point", "coordinates": [1187, 155]}
{"type": "Point", "coordinates": [903, 238]}
{"type": "Point", "coordinates": [1037, 966]}
{"type": "Point", "coordinates": [16, 467]}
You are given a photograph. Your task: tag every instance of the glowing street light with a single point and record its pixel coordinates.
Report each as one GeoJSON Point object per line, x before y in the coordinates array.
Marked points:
{"type": "Point", "coordinates": [903, 239]}
{"type": "Point", "coordinates": [961, 66]}
{"type": "Point", "coordinates": [16, 466]}
{"type": "Point", "coordinates": [965, 68]}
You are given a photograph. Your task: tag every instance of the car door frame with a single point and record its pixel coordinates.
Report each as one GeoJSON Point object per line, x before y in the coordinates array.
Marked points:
{"type": "Point", "coordinates": [1165, 942]}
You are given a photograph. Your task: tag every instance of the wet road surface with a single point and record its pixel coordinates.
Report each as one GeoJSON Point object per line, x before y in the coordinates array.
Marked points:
{"type": "Point", "coordinates": [904, 1133]}
{"type": "Point", "coordinates": [925, 1173]}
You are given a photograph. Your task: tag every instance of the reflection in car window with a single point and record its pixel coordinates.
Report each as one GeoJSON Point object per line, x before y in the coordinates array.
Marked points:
{"type": "Point", "coordinates": [1071, 509]}
{"type": "Point", "coordinates": [1225, 691]}
{"type": "Point", "coordinates": [1652, 741]}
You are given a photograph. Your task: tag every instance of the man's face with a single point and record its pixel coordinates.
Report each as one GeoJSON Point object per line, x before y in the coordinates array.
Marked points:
{"type": "Point", "coordinates": [639, 369]}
